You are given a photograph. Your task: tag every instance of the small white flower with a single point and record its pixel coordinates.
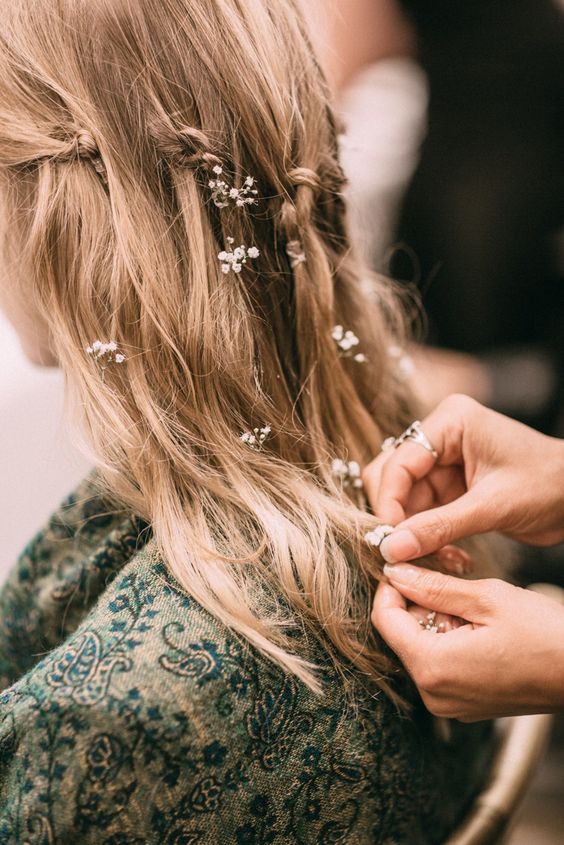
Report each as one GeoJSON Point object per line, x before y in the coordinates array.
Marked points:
{"type": "Point", "coordinates": [346, 342]}
{"type": "Point", "coordinates": [235, 259]}
{"type": "Point", "coordinates": [404, 363]}
{"type": "Point", "coordinates": [223, 193]}
{"type": "Point", "coordinates": [255, 439]}
{"type": "Point", "coordinates": [375, 537]}
{"type": "Point", "coordinates": [337, 333]}
{"type": "Point", "coordinates": [348, 474]}
{"type": "Point", "coordinates": [295, 253]}
{"type": "Point", "coordinates": [105, 353]}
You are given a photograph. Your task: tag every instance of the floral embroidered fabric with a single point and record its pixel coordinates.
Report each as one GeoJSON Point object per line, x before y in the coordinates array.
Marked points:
{"type": "Point", "coordinates": [129, 716]}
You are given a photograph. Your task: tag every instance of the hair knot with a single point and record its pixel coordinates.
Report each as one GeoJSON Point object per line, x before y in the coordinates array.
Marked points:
{"type": "Point", "coordinates": [186, 147]}
{"type": "Point", "coordinates": [83, 147]}
{"type": "Point", "coordinates": [305, 176]}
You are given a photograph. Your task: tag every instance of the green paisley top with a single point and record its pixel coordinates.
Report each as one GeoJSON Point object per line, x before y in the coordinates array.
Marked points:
{"type": "Point", "coordinates": [130, 716]}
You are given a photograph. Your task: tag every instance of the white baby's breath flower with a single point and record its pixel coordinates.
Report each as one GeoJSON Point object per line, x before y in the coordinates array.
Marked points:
{"type": "Point", "coordinates": [348, 474]}
{"type": "Point", "coordinates": [295, 252]}
{"type": "Point", "coordinates": [223, 193]}
{"type": "Point", "coordinates": [346, 342]}
{"type": "Point", "coordinates": [105, 353]}
{"type": "Point", "coordinates": [404, 363]}
{"type": "Point", "coordinates": [375, 537]}
{"type": "Point", "coordinates": [255, 439]}
{"type": "Point", "coordinates": [235, 259]}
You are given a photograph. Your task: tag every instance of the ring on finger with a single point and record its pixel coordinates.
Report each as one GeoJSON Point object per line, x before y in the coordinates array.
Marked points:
{"type": "Point", "coordinates": [413, 432]}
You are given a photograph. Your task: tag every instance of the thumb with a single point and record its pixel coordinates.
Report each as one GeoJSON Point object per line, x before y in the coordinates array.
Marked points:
{"type": "Point", "coordinates": [427, 532]}
{"type": "Point", "coordinates": [439, 592]}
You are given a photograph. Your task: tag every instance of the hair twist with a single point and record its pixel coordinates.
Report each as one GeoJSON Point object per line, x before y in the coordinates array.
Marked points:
{"type": "Point", "coordinates": [185, 147]}
{"type": "Point", "coordinates": [83, 147]}
{"type": "Point", "coordinates": [305, 176]}
{"type": "Point", "coordinates": [295, 211]}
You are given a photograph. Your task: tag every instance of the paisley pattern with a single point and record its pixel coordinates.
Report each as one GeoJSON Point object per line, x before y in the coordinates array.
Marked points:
{"type": "Point", "coordinates": [129, 716]}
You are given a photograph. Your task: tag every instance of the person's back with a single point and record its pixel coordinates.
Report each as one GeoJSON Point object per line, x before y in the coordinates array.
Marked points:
{"type": "Point", "coordinates": [187, 656]}
{"type": "Point", "coordinates": [149, 721]}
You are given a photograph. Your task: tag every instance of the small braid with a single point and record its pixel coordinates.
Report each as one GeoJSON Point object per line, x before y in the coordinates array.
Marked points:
{"type": "Point", "coordinates": [295, 211]}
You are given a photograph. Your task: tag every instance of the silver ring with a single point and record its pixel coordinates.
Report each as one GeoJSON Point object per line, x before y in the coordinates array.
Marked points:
{"type": "Point", "coordinates": [415, 433]}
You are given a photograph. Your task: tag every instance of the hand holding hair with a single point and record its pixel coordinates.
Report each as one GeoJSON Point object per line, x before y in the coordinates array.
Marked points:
{"type": "Point", "coordinates": [508, 660]}
{"type": "Point", "coordinates": [491, 473]}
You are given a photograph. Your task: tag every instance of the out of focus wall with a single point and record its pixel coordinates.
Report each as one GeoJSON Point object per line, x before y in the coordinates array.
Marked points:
{"type": "Point", "coordinates": [38, 465]}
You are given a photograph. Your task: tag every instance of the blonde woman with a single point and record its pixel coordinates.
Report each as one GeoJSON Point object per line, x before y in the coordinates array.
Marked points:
{"type": "Point", "coordinates": [186, 649]}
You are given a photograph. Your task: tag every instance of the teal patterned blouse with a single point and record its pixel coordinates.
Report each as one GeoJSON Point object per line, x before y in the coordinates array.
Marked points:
{"type": "Point", "coordinates": [130, 716]}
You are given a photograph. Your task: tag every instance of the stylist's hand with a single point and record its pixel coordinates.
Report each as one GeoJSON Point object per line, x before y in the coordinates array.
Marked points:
{"type": "Point", "coordinates": [508, 661]}
{"type": "Point", "coordinates": [492, 474]}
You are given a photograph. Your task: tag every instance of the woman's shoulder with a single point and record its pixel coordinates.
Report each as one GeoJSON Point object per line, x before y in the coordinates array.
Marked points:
{"type": "Point", "coordinates": [150, 721]}
{"type": "Point", "coordinates": [150, 689]}
{"type": "Point", "coordinates": [60, 575]}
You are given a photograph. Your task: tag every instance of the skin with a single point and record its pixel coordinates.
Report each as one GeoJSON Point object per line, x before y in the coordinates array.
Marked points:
{"type": "Point", "coordinates": [354, 34]}
{"type": "Point", "coordinates": [31, 329]}
{"type": "Point", "coordinates": [492, 473]}
{"type": "Point", "coordinates": [23, 314]}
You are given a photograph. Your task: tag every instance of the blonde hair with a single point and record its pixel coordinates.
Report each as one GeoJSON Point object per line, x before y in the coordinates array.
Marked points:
{"type": "Point", "coordinates": [113, 114]}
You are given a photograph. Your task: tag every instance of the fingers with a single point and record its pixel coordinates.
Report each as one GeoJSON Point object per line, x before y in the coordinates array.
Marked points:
{"type": "Point", "coordinates": [392, 620]}
{"type": "Point", "coordinates": [393, 481]}
{"type": "Point", "coordinates": [465, 599]}
{"type": "Point", "coordinates": [430, 530]}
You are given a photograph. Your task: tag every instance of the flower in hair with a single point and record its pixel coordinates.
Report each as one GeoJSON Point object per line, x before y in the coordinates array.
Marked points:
{"type": "Point", "coordinates": [105, 353]}
{"type": "Point", "coordinates": [346, 342]}
{"type": "Point", "coordinates": [254, 439]}
{"type": "Point", "coordinates": [233, 259]}
{"type": "Point", "coordinates": [223, 194]}
{"type": "Point", "coordinates": [347, 473]}
{"type": "Point", "coordinates": [295, 253]}
{"type": "Point", "coordinates": [376, 537]}
{"type": "Point", "coordinates": [405, 365]}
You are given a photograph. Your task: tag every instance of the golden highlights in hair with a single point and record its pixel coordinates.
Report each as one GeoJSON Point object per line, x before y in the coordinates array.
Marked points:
{"type": "Point", "coordinates": [118, 119]}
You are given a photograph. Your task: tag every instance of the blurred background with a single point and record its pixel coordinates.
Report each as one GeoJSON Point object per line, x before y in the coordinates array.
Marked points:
{"type": "Point", "coordinates": [453, 117]}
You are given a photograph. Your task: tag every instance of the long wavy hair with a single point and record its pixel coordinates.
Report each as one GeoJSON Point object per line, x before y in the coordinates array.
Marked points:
{"type": "Point", "coordinates": [113, 115]}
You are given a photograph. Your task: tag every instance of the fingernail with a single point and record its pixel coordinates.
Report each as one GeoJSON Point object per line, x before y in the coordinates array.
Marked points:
{"type": "Point", "coordinates": [400, 573]}
{"type": "Point", "coordinates": [401, 545]}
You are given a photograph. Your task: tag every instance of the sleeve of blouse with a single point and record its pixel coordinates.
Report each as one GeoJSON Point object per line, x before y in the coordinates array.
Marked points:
{"type": "Point", "coordinates": [65, 773]}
